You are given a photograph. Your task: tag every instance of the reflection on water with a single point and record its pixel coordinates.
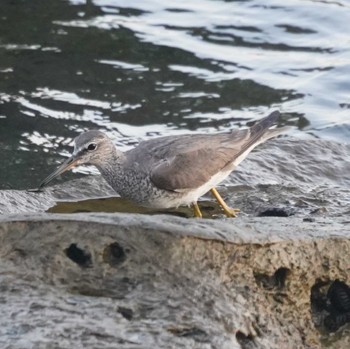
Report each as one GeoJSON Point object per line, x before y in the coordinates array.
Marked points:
{"type": "Point", "coordinates": [148, 68]}
{"type": "Point", "coordinates": [208, 208]}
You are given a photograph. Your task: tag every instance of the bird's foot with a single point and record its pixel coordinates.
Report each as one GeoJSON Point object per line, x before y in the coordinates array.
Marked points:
{"type": "Point", "coordinates": [231, 212]}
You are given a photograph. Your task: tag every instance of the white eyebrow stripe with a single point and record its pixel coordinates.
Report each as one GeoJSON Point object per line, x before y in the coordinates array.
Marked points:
{"type": "Point", "coordinates": [78, 150]}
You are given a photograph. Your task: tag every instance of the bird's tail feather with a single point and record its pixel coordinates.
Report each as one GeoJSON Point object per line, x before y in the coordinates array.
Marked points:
{"type": "Point", "coordinates": [262, 125]}
{"type": "Point", "coordinates": [260, 132]}
{"type": "Point", "coordinates": [274, 132]}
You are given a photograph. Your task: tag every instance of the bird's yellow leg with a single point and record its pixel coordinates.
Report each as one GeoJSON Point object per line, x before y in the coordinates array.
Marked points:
{"type": "Point", "coordinates": [197, 212]}
{"type": "Point", "coordinates": [229, 212]}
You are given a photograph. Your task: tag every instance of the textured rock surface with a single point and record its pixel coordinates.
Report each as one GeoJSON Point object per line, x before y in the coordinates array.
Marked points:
{"type": "Point", "coordinates": [136, 281]}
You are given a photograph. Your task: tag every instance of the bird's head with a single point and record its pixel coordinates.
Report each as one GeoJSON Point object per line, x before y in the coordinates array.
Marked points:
{"type": "Point", "coordinates": [90, 148]}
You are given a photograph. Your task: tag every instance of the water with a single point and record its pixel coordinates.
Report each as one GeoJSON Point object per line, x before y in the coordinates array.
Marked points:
{"type": "Point", "coordinates": [147, 68]}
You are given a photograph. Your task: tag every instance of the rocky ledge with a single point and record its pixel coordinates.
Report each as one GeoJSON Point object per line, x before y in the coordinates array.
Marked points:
{"type": "Point", "coordinates": [138, 281]}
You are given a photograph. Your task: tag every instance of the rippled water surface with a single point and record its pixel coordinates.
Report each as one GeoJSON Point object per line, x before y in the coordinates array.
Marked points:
{"type": "Point", "coordinates": [139, 69]}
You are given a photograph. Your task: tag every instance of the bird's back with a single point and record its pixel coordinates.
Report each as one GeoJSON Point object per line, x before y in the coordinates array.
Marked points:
{"type": "Point", "coordinates": [159, 149]}
{"type": "Point", "coordinates": [150, 152]}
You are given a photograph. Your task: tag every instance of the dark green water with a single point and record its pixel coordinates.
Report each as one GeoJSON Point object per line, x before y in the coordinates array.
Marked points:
{"type": "Point", "coordinates": [146, 68]}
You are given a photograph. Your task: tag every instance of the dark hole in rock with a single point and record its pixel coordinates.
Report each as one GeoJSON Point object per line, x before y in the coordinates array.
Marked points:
{"type": "Point", "coordinates": [333, 322]}
{"type": "Point", "coordinates": [339, 296]}
{"type": "Point", "coordinates": [194, 333]}
{"type": "Point", "coordinates": [126, 313]}
{"type": "Point", "coordinates": [114, 254]}
{"type": "Point", "coordinates": [20, 253]}
{"type": "Point", "coordinates": [330, 308]}
{"type": "Point", "coordinates": [78, 256]}
{"type": "Point", "coordinates": [281, 277]}
{"type": "Point", "coordinates": [277, 280]}
{"type": "Point", "coordinates": [276, 212]}
{"type": "Point", "coordinates": [246, 341]}
{"type": "Point", "coordinates": [309, 219]}
{"type": "Point", "coordinates": [318, 298]}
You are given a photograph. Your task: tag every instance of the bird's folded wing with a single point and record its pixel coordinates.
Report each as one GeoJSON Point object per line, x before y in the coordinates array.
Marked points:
{"type": "Point", "coordinates": [191, 169]}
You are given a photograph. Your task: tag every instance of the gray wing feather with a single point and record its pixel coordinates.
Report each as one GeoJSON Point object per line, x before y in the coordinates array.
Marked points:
{"type": "Point", "coordinates": [191, 169]}
{"type": "Point", "coordinates": [189, 161]}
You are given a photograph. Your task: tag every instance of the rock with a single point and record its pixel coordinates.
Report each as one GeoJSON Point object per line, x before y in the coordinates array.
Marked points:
{"type": "Point", "coordinates": [138, 281]}
{"type": "Point", "coordinates": [276, 212]}
{"type": "Point", "coordinates": [22, 201]}
{"type": "Point", "coordinates": [309, 219]}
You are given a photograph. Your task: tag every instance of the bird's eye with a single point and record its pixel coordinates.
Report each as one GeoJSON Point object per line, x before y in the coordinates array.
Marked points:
{"type": "Point", "coordinates": [92, 146]}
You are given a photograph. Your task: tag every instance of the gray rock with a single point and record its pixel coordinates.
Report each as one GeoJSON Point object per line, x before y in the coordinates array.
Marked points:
{"type": "Point", "coordinates": [138, 281]}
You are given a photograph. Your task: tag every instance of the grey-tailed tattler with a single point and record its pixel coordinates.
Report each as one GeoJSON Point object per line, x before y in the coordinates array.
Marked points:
{"type": "Point", "coordinates": [170, 171]}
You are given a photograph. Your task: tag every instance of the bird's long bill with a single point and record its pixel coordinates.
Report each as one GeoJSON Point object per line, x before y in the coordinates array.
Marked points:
{"type": "Point", "coordinates": [67, 165]}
